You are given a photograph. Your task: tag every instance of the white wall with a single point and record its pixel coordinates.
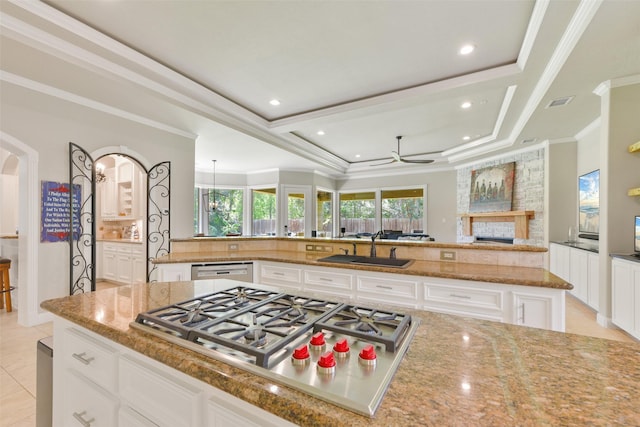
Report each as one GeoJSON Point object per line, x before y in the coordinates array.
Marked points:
{"type": "Point", "coordinates": [48, 125]}
{"type": "Point", "coordinates": [563, 190]}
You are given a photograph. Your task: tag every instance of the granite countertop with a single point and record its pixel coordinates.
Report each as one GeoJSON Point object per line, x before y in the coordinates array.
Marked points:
{"type": "Point", "coordinates": [457, 371]}
{"type": "Point", "coordinates": [488, 246]}
{"type": "Point", "coordinates": [628, 257]}
{"type": "Point", "coordinates": [580, 245]}
{"type": "Point", "coordinates": [514, 275]}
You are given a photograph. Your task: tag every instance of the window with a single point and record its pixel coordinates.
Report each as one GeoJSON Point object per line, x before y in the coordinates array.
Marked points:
{"type": "Point", "coordinates": [295, 214]}
{"type": "Point", "coordinates": [403, 210]}
{"type": "Point", "coordinates": [225, 220]}
{"type": "Point", "coordinates": [358, 212]}
{"type": "Point", "coordinates": [324, 216]}
{"type": "Point", "coordinates": [264, 212]}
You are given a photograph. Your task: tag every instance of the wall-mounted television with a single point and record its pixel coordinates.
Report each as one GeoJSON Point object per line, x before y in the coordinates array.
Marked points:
{"type": "Point", "coordinates": [636, 244]}
{"type": "Point", "coordinates": [589, 206]}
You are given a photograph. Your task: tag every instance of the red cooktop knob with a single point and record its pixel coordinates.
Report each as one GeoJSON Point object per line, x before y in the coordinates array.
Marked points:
{"type": "Point", "coordinates": [368, 353]}
{"type": "Point", "coordinates": [327, 360]}
{"type": "Point", "coordinates": [301, 352]}
{"type": "Point", "coordinates": [317, 339]}
{"type": "Point", "coordinates": [341, 346]}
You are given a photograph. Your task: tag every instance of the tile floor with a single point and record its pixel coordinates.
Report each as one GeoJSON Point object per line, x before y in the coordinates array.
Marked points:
{"type": "Point", "coordinates": [18, 358]}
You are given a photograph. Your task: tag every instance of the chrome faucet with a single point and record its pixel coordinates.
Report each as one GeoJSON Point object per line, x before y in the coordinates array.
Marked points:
{"type": "Point", "coordinates": [355, 249]}
{"type": "Point", "coordinates": [373, 243]}
{"type": "Point", "coordinates": [392, 253]}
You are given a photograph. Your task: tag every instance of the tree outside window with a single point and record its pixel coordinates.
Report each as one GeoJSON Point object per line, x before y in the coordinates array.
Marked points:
{"type": "Point", "coordinates": [358, 212]}
{"type": "Point", "coordinates": [226, 219]}
{"type": "Point", "coordinates": [264, 211]}
{"type": "Point", "coordinates": [324, 214]}
{"type": "Point", "coordinates": [403, 210]}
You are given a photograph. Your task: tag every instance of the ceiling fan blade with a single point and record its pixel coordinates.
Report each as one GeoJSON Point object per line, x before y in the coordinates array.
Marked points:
{"type": "Point", "coordinates": [384, 163]}
{"type": "Point", "coordinates": [424, 162]}
{"type": "Point", "coordinates": [396, 156]}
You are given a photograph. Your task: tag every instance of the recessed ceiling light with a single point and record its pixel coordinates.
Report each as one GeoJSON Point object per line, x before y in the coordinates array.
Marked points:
{"type": "Point", "coordinates": [466, 49]}
{"type": "Point", "coordinates": [466, 138]}
{"type": "Point", "coordinates": [274, 102]}
{"type": "Point", "coordinates": [320, 132]}
{"type": "Point", "coordinates": [466, 104]}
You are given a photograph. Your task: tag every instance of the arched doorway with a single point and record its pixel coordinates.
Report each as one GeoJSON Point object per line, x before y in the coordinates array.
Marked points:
{"type": "Point", "coordinates": [87, 217]}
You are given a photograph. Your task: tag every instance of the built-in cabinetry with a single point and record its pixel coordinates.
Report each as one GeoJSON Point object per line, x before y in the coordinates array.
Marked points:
{"type": "Point", "coordinates": [122, 262]}
{"type": "Point", "coordinates": [97, 382]}
{"type": "Point", "coordinates": [521, 305]}
{"type": "Point", "coordinates": [122, 194]}
{"type": "Point", "coordinates": [580, 267]}
{"type": "Point", "coordinates": [625, 295]}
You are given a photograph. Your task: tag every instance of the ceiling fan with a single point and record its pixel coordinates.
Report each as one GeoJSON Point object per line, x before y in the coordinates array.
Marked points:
{"type": "Point", "coordinates": [396, 157]}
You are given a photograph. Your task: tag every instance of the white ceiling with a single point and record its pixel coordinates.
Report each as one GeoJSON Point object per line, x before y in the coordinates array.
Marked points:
{"type": "Point", "coordinates": [361, 71]}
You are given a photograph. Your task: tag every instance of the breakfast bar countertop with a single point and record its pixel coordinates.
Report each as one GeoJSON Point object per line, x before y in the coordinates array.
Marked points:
{"type": "Point", "coordinates": [512, 274]}
{"type": "Point", "coordinates": [457, 370]}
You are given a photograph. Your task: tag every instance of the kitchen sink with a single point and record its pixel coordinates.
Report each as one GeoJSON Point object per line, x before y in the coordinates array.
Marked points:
{"type": "Point", "coordinates": [366, 260]}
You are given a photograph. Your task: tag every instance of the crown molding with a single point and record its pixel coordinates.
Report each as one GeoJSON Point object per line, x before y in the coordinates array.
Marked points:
{"type": "Point", "coordinates": [537, 16]}
{"type": "Point", "coordinates": [607, 85]}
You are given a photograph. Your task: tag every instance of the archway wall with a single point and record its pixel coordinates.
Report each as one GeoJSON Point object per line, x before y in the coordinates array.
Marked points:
{"type": "Point", "coordinates": [47, 125]}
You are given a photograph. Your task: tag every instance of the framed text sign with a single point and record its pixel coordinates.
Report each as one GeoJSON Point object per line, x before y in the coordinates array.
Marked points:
{"type": "Point", "coordinates": [54, 226]}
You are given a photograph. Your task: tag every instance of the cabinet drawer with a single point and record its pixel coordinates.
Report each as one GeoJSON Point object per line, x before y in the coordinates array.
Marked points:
{"type": "Point", "coordinates": [110, 247]}
{"type": "Point", "coordinates": [464, 297]}
{"type": "Point", "coordinates": [388, 288]}
{"type": "Point", "coordinates": [281, 274]}
{"type": "Point", "coordinates": [127, 417]}
{"type": "Point", "coordinates": [328, 280]}
{"type": "Point", "coordinates": [163, 399]}
{"type": "Point", "coordinates": [86, 404]}
{"type": "Point", "coordinates": [91, 358]}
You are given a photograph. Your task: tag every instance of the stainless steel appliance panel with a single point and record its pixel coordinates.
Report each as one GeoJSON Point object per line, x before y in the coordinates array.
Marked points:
{"type": "Point", "coordinates": [241, 271]}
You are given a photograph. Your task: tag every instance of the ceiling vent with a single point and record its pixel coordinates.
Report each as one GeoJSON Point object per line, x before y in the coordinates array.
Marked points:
{"type": "Point", "coordinates": [528, 140]}
{"type": "Point", "coordinates": [559, 102]}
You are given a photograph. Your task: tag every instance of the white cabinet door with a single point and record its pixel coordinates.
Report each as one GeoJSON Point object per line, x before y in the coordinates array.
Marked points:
{"type": "Point", "coordinates": [110, 262]}
{"type": "Point", "coordinates": [329, 281]}
{"type": "Point", "coordinates": [88, 356]}
{"type": "Point", "coordinates": [280, 274]}
{"type": "Point", "coordinates": [593, 280]}
{"type": "Point", "coordinates": [533, 310]}
{"type": "Point", "coordinates": [125, 268]}
{"type": "Point", "coordinates": [139, 266]}
{"type": "Point", "coordinates": [387, 289]}
{"type": "Point", "coordinates": [159, 396]}
{"type": "Point", "coordinates": [578, 273]}
{"type": "Point", "coordinates": [86, 404]}
{"type": "Point", "coordinates": [127, 417]}
{"type": "Point", "coordinates": [622, 295]}
{"type": "Point", "coordinates": [174, 272]}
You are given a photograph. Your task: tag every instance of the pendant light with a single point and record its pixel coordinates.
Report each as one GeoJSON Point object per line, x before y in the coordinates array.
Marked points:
{"type": "Point", "coordinates": [209, 198]}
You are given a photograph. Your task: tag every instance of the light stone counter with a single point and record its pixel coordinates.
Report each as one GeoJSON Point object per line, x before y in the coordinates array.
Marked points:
{"type": "Point", "coordinates": [457, 371]}
{"type": "Point", "coordinates": [514, 275]}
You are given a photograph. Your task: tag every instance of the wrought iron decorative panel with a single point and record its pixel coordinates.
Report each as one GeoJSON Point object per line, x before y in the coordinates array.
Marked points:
{"type": "Point", "coordinates": [158, 215]}
{"type": "Point", "coordinates": [82, 242]}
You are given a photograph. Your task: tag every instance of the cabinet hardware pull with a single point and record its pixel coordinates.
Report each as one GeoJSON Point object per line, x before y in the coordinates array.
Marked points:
{"type": "Point", "coordinates": [81, 420]}
{"type": "Point", "coordinates": [384, 287]}
{"type": "Point", "coordinates": [324, 279]}
{"type": "Point", "coordinates": [460, 296]}
{"type": "Point", "coordinates": [81, 358]}
{"type": "Point", "coordinates": [277, 273]}
{"type": "Point", "coordinates": [523, 321]}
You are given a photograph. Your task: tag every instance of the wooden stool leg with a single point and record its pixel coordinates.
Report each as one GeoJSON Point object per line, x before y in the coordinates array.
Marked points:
{"type": "Point", "coordinates": [2, 288]}
{"type": "Point", "coordinates": [7, 287]}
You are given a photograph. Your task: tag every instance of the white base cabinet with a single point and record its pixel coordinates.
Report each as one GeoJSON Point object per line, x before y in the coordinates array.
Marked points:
{"type": "Point", "coordinates": [625, 295]}
{"type": "Point", "coordinates": [98, 382]}
{"type": "Point", "coordinates": [520, 305]}
{"type": "Point", "coordinates": [579, 267]}
{"type": "Point", "coordinates": [123, 262]}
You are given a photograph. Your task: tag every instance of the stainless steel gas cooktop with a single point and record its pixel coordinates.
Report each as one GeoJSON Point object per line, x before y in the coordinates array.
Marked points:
{"type": "Point", "coordinates": [344, 354]}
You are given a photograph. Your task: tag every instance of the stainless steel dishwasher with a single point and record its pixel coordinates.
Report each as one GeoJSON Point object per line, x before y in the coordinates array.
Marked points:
{"type": "Point", "coordinates": [242, 271]}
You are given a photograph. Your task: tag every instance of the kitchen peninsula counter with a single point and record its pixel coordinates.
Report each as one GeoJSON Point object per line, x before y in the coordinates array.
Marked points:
{"type": "Point", "coordinates": [515, 275]}
{"type": "Point", "coordinates": [457, 370]}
